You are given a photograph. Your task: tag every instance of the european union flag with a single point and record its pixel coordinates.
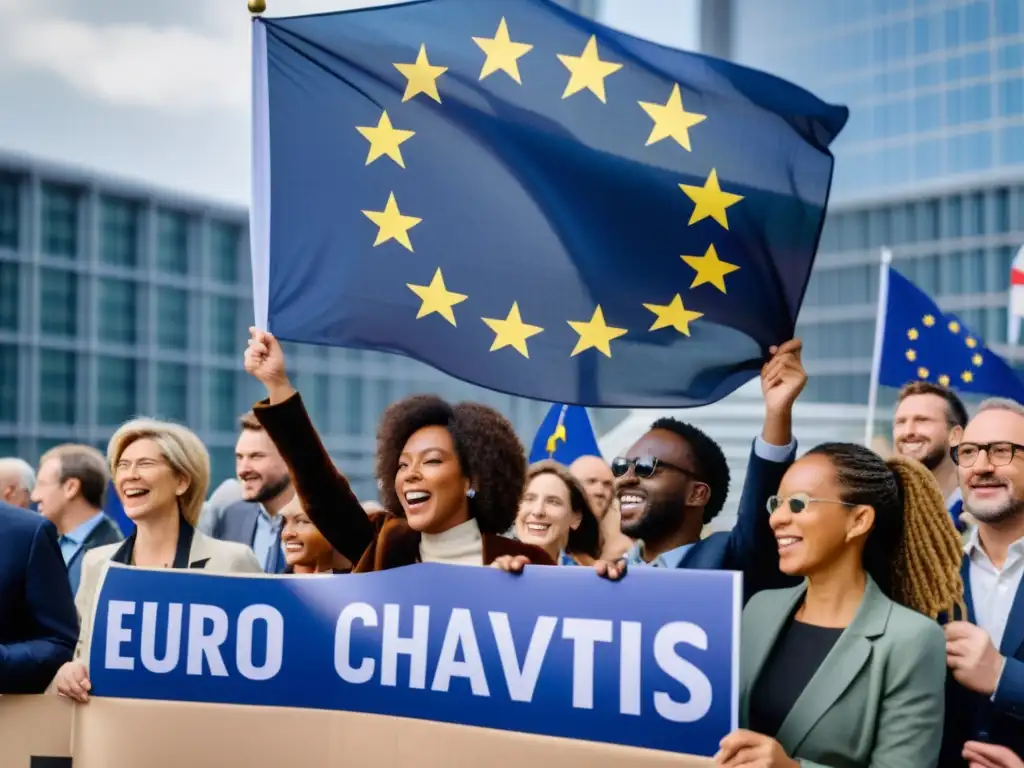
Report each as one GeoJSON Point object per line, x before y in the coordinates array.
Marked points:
{"type": "Point", "coordinates": [530, 201]}
{"type": "Point", "coordinates": [565, 434]}
{"type": "Point", "coordinates": [921, 343]}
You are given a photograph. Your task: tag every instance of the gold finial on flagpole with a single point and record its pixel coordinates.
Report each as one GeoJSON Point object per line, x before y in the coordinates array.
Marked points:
{"type": "Point", "coordinates": [256, 7]}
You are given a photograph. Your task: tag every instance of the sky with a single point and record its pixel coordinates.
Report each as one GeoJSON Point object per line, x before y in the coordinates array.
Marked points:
{"type": "Point", "coordinates": [157, 91]}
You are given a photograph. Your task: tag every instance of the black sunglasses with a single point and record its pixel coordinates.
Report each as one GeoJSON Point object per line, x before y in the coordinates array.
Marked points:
{"type": "Point", "coordinates": [644, 466]}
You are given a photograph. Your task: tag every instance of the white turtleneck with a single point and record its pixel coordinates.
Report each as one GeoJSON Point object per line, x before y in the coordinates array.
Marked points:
{"type": "Point", "coordinates": [461, 545]}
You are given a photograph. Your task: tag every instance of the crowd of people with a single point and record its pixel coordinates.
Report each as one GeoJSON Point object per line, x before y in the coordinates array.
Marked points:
{"type": "Point", "coordinates": [884, 606]}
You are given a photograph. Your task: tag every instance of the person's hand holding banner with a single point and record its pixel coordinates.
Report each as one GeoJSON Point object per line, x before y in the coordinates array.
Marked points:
{"type": "Point", "coordinates": [746, 749]}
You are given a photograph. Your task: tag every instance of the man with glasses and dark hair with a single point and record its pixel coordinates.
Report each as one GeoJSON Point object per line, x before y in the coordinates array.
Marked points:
{"type": "Point", "coordinates": [986, 651]}
{"type": "Point", "coordinates": [675, 480]}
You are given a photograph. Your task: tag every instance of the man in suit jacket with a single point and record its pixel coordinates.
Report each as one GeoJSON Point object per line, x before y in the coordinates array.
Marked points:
{"type": "Point", "coordinates": [929, 419]}
{"type": "Point", "coordinates": [985, 653]}
{"type": "Point", "coordinates": [666, 510]}
{"type": "Point", "coordinates": [266, 488]}
{"type": "Point", "coordinates": [38, 625]}
{"type": "Point", "coordinates": [69, 492]}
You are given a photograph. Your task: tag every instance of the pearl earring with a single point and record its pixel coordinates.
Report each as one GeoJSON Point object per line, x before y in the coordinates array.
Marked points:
{"type": "Point", "coordinates": [470, 493]}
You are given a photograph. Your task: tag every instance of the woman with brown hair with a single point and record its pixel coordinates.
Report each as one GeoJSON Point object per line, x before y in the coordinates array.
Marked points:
{"type": "Point", "coordinates": [450, 476]}
{"type": "Point", "coordinates": [556, 516]}
{"type": "Point", "coordinates": [849, 668]}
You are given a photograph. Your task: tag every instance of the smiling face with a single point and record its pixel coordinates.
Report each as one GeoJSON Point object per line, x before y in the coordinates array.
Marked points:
{"type": "Point", "coordinates": [259, 467]}
{"type": "Point", "coordinates": [429, 482]}
{"type": "Point", "coordinates": [653, 507]}
{"type": "Point", "coordinates": [597, 480]}
{"type": "Point", "coordinates": [819, 534]}
{"type": "Point", "coordinates": [546, 515]}
{"type": "Point", "coordinates": [304, 546]}
{"type": "Point", "coordinates": [146, 484]}
{"type": "Point", "coordinates": [993, 494]}
{"type": "Point", "coordinates": [921, 429]}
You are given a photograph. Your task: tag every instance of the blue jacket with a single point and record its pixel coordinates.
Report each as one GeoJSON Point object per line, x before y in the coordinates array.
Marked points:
{"type": "Point", "coordinates": [38, 622]}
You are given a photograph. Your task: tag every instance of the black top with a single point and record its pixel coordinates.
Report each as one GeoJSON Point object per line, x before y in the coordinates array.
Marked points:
{"type": "Point", "coordinates": [798, 652]}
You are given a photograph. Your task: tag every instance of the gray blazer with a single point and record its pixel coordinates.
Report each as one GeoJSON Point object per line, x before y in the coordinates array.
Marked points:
{"type": "Point", "coordinates": [878, 699]}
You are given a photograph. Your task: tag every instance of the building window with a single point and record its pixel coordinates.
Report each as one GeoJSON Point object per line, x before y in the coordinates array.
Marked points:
{"type": "Point", "coordinates": [222, 400]}
{"type": "Point", "coordinates": [172, 318]}
{"type": "Point", "coordinates": [224, 339]}
{"type": "Point", "coordinates": [954, 224]}
{"type": "Point", "coordinates": [352, 405]}
{"type": "Point", "coordinates": [222, 465]}
{"type": "Point", "coordinates": [9, 276]}
{"type": "Point", "coordinates": [1002, 211]}
{"type": "Point", "coordinates": [119, 232]}
{"type": "Point", "coordinates": [224, 239]}
{"type": "Point", "coordinates": [116, 392]}
{"type": "Point", "coordinates": [976, 215]}
{"type": "Point", "coordinates": [58, 299]}
{"type": "Point", "coordinates": [8, 383]}
{"type": "Point", "coordinates": [118, 311]}
{"type": "Point", "coordinates": [60, 220]}
{"type": "Point", "coordinates": [10, 211]}
{"type": "Point", "coordinates": [58, 386]}
{"type": "Point", "coordinates": [172, 243]}
{"type": "Point", "coordinates": [172, 391]}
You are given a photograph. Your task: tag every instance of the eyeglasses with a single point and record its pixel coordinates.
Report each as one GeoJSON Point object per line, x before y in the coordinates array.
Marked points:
{"type": "Point", "coordinates": [999, 454]}
{"type": "Point", "coordinates": [798, 502]}
{"type": "Point", "coordinates": [644, 466]}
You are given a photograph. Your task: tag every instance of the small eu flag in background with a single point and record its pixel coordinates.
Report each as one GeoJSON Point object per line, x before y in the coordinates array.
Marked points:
{"type": "Point", "coordinates": [921, 343]}
{"type": "Point", "coordinates": [565, 434]}
{"type": "Point", "coordinates": [530, 201]}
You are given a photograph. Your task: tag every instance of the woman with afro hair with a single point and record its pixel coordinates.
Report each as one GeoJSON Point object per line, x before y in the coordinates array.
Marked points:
{"type": "Point", "coordinates": [451, 476]}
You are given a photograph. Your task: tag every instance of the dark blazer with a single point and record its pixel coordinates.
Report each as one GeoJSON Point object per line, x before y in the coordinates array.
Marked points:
{"type": "Point", "coordinates": [105, 532]}
{"type": "Point", "coordinates": [38, 624]}
{"type": "Point", "coordinates": [750, 546]}
{"type": "Point", "coordinates": [876, 699]}
{"type": "Point", "coordinates": [973, 717]}
{"type": "Point", "coordinates": [235, 522]}
{"type": "Point", "coordinates": [372, 542]}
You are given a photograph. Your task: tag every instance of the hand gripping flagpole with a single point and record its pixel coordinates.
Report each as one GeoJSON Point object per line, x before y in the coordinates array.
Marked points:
{"type": "Point", "coordinates": [876, 358]}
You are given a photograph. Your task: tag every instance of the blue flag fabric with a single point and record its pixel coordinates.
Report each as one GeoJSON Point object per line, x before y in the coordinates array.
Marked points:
{"type": "Point", "coordinates": [922, 343]}
{"type": "Point", "coordinates": [113, 509]}
{"type": "Point", "coordinates": [565, 434]}
{"type": "Point", "coordinates": [530, 201]}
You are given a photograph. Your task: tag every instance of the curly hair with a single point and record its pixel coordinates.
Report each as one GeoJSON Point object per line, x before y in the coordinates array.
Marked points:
{"type": "Point", "coordinates": [913, 552]}
{"type": "Point", "coordinates": [486, 445]}
{"type": "Point", "coordinates": [586, 539]}
{"type": "Point", "coordinates": [710, 464]}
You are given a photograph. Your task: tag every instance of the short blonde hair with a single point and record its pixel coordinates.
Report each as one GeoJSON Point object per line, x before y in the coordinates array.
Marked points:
{"type": "Point", "coordinates": [181, 448]}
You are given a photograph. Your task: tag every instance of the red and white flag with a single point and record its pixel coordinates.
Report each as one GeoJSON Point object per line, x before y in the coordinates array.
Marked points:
{"type": "Point", "coordinates": [1016, 308]}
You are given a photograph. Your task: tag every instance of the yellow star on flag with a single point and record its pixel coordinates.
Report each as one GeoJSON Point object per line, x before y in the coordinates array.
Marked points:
{"type": "Point", "coordinates": [437, 298]}
{"type": "Point", "coordinates": [967, 377]}
{"type": "Point", "coordinates": [954, 326]}
{"type": "Point", "coordinates": [422, 76]}
{"type": "Point", "coordinates": [392, 223]}
{"type": "Point", "coordinates": [913, 334]}
{"type": "Point", "coordinates": [512, 331]}
{"type": "Point", "coordinates": [671, 121]}
{"type": "Point", "coordinates": [385, 139]}
{"type": "Point", "coordinates": [928, 320]}
{"type": "Point", "coordinates": [911, 355]}
{"type": "Point", "coordinates": [944, 380]}
{"type": "Point", "coordinates": [710, 269]}
{"type": "Point", "coordinates": [673, 315]}
{"type": "Point", "coordinates": [502, 54]}
{"type": "Point", "coordinates": [976, 360]}
{"type": "Point", "coordinates": [595, 334]}
{"type": "Point", "coordinates": [710, 201]}
{"type": "Point", "coordinates": [922, 373]}
{"type": "Point", "coordinates": [971, 342]}
{"type": "Point", "coordinates": [587, 71]}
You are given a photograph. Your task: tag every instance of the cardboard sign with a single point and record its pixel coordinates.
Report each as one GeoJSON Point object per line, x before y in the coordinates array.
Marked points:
{"type": "Point", "coordinates": [651, 661]}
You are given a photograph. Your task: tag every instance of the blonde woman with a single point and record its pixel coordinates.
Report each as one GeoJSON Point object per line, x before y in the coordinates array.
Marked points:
{"type": "Point", "coordinates": [161, 473]}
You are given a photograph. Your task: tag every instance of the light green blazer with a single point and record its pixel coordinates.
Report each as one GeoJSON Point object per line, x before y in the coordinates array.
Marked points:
{"type": "Point", "coordinates": [877, 701]}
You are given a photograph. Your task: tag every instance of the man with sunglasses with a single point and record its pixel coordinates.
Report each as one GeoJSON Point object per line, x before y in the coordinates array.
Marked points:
{"type": "Point", "coordinates": [675, 479]}
{"type": "Point", "coordinates": [986, 652]}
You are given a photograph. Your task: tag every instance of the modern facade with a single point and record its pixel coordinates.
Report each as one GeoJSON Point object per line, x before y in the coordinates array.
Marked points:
{"type": "Point", "coordinates": [930, 164]}
{"type": "Point", "coordinates": [118, 300]}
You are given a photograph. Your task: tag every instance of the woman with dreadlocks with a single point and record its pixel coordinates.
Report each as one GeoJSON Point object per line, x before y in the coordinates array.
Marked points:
{"type": "Point", "coordinates": [849, 668]}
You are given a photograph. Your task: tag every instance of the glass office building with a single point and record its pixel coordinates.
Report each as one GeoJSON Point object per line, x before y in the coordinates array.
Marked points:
{"type": "Point", "coordinates": [931, 162]}
{"type": "Point", "coordinates": [118, 300]}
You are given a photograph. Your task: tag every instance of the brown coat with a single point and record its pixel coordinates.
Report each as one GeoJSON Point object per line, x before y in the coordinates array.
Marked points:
{"type": "Point", "coordinates": [375, 542]}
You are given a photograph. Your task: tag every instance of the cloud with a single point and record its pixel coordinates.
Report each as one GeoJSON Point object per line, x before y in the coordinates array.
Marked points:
{"type": "Point", "coordinates": [168, 68]}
